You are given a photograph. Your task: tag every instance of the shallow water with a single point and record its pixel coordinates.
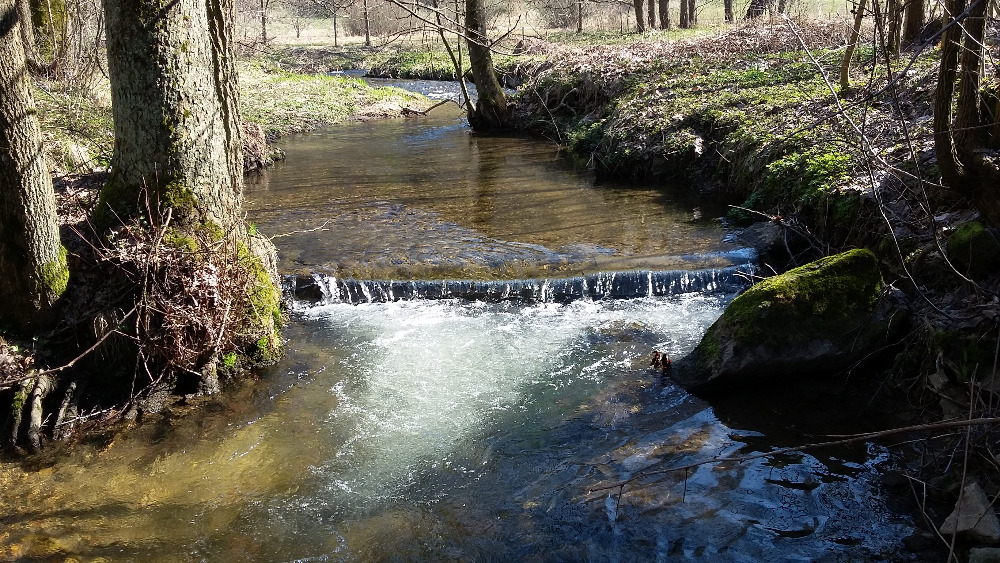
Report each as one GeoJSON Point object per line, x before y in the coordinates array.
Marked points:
{"type": "Point", "coordinates": [502, 426]}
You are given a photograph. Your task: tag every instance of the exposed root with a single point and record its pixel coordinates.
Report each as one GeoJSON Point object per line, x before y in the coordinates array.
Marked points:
{"type": "Point", "coordinates": [44, 383]}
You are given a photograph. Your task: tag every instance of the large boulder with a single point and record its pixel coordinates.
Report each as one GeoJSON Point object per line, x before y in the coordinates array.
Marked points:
{"type": "Point", "coordinates": [809, 321]}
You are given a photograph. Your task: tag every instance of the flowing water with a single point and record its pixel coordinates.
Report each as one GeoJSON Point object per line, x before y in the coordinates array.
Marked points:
{"type": "Point", "coordinates": [466, 380]}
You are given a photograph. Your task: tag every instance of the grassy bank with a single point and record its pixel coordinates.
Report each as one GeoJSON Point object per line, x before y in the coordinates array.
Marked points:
{"type": "Point", "coordinates": [748, 114]}
{"type": "Point", "coordinates": [78, 129]}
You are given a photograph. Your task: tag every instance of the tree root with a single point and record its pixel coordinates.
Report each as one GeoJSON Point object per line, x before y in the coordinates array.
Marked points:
{"type": "Point", "coordinates": [44, 384]}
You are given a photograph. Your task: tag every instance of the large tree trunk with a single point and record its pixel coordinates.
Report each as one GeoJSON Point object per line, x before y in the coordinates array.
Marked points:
{"type": "Point", "coordinates": [177, 133]}
{"type": "Point", "coordinates": [33, 272]}
{"type": "Point", "coordinates": [651, 12]}
{"type": "Point", "coordinates": [728, 6]}
{"type": "Point", "coordinates": [683, 21]}
{"type": "Point", "coordinates": [913, 21]}
{"type": "Point", "coordinates": [640, 20]}
{"type": "Point", "coordinates": [664, 14]}
{"type": "Point", "coordinates": [492, 113]}
{"type": "Point", "coordinates": [692, 14]}
{"type": "Point", "coordinates": [177, 176]}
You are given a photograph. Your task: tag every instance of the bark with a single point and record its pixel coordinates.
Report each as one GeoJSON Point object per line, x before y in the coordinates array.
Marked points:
{"type": "Point", "coordinates": [894, 15]}
{"type": "Point", "coordinates": [913, 21]}
{"type": "Point", "coordinates": [33, 272]}
{"type": "Point", "coordinates": [960, 140]}
{"type": "Point", "coordinates": [28, 35]}
{"type": "Point", "coordinates": [665, 14]}
{"type": "Point", "coordinates": [177, 133]}
{"type": "Point", "coordinates": [682, 20]}
{"type": "Point", "coordinates": [845, 64]}
{"type": "Point", "coordinates": [728, 5]}
{"type": "Point", "coordinates": [952, 171]}
{"type": "Point", "coordinates": [692, 13]}
{"type": "Point", "coordinates": [368, 33]}
{"type": "Point", "coordinates": [651, 13]}
{"type": "Point", "coordinates": [640, 21]}
{"type": "Point", "coordinates": [579, 16]}
{"type": "Point", "coordinates": [492, 113]}
{"type": "Point", "coordinates": [263, 22]}
{"type": "Point", "coordinates": [755, 9]}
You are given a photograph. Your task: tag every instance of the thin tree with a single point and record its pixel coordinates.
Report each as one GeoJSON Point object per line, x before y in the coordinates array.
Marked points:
{"type": "Point", "coordinates": [492, 112]}
{"type": "Point", "coordinates": [33, 270]}
{"type": "Point", "coordinates": [852, 45]}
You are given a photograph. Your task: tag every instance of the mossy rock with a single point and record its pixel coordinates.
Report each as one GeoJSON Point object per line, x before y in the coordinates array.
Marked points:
{"type": "Point", "coordinates": [808, 322]}
{"type": "Point", "coordinates": [974, 250]}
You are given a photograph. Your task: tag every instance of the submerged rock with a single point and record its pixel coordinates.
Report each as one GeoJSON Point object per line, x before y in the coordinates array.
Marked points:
{"type": "Point", "coordinates": [807, 322]}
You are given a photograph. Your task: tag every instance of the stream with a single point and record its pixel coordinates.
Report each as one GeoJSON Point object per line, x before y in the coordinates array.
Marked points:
{"type": "Point", "coordinates": [466, 379]}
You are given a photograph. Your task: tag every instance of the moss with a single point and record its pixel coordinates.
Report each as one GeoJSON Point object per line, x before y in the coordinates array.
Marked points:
{"type": "Point", "coordinates": [184, 243]}
{"type": "Point", "coordinates": [823, 297]}
{"type": "Point", "coordinates": [974, 249]}
{"type": "Point", "coordinates": [264, 315]}
{"type": "Point", "coordinates": [176, 195]}
{"type": "Point", "coordinates": [55, 275]}
{"type": "Point", "coordinates": [20, 399]}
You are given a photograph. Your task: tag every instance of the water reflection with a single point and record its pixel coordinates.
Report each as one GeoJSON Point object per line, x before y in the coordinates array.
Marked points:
{"type": "Point", "coordinates": [434, 201]}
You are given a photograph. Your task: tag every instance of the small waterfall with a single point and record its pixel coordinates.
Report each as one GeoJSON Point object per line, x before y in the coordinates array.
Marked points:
{"type": "Point", "coordinates": [322, 289]}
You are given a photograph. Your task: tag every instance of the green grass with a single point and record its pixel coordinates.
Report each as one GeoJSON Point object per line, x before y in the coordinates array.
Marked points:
{"type": "Point", "coordinates": [284, 102]}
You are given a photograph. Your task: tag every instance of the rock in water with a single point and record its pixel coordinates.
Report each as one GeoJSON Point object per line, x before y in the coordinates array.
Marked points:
{"type": "Point", "coordinates": [810, 321]}
{"type": "Point", "coordinates": [973, 517]}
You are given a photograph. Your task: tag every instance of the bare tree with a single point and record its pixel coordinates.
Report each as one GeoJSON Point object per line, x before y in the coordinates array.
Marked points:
{"type": "Point", "coordinates": [964, 125]}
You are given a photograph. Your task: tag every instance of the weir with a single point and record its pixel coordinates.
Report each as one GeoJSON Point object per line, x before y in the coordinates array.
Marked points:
{"type": "Point", "coordinates": [321, 289]}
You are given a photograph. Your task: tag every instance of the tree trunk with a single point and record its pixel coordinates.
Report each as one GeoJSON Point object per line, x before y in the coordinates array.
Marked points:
{"type": "Point", "coordinates": [845, 64]}
{"type": "Point", "coordinates": [692, 13]}
{"type": "Point", "coordinates": [664, 14]}
{"type": "Point", "coordinates": [640, 19]}
{"type": "Point", "coordinates": [33, 272]}
{"type": "Point", "coordinates": [913, 21]}
{"type": "Point", "coordinates": [682, 20]}
{"type": "Point", "coordinates": [492, 113]}
{"type": "Point", "coordinates": [651, 12]}
{"type": "Point", "coordinates": [263, 22]}
{"type": "Point", "coordinates": [894, 16]}
{"type": "Point", "coordinates": [579, 16]}
{"type": "Point", "coordinates": [959, 141]}
{"type": "Point", "coordinates": [728, 4]}
{"type": "Point", "coordinates": [755, 9]}
{"type": "Point", "coordinates": [177, 133]}
{"type": "Point", "coordinates": [368, 33]}
{"type": "Point", "coordinates": [335, 28]}
{"type": "Point", "coordinates": [177, 171]}
{"type": "Point", "coordinates": [28, 35]}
